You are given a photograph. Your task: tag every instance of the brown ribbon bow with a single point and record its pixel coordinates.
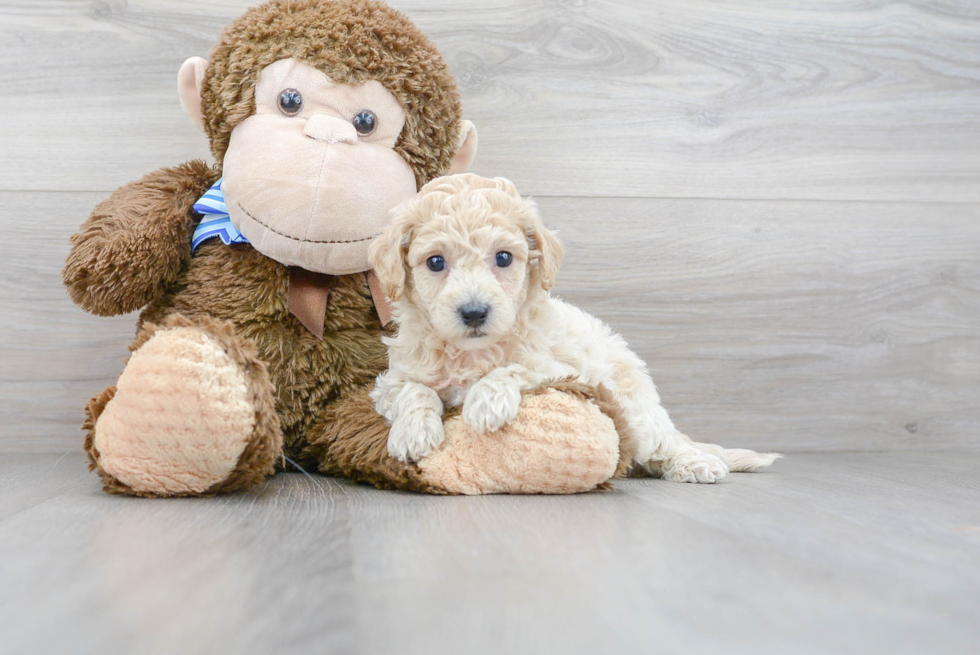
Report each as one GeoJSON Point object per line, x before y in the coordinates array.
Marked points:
{"type": "Point", "coordinates": [308, 294]}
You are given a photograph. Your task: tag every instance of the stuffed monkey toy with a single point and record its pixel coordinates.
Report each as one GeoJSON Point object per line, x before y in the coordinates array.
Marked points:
{"type": "Point", "coordinates": [260, 333]}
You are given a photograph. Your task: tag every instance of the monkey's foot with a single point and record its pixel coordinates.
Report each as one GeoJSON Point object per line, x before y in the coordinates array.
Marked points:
{"type": "Point", "coordinates": [560, 442]}
{"type": "Point", "coordinates": [566, 438]}
{"type": "Point", "coordinates": [192, 414]}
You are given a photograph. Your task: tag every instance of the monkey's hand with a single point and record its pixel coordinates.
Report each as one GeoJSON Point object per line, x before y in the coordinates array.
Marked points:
{"type": "Point", "coordinates": [136, 242]}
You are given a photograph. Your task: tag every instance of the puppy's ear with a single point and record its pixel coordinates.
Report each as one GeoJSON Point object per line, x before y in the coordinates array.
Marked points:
{"type": "Point", "coordinates": [387, 257]}
{"type": "Point", "coordinates": [544, 244]}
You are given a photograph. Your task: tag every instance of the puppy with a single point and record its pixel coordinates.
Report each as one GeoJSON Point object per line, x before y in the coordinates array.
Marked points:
{"type": "Point", "coordinates": [468, 266]}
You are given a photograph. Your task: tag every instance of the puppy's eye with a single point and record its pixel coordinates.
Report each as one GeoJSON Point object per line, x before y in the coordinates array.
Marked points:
{"type": "Point", "coordinates": [365, 122]}
{"type": "Point", "coordinates": [504, 259]}
{"type": "Point", "coordinates": [436, 263]}
{"type": "Point", "coordinates": [290, 102]}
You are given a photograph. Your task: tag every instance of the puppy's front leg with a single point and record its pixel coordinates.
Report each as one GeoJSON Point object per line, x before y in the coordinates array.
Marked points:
{"type": "Point", "coordinates": [493, 401]}
{"type": "Point", "coordinates": [415, 414]}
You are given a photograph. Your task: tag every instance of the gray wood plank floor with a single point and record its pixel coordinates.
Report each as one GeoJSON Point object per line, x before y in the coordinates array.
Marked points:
{"type": "Point", "coordinates": [826, 553]}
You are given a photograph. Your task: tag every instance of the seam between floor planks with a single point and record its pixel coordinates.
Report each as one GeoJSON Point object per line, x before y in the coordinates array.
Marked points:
{"type": "Point", "coordinates": [868, 201]}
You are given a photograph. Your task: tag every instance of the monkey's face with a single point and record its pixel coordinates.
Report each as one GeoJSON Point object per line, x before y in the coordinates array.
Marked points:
{"type": "Point", "coordinates": [310, 177]}
{"type": "Point", "coordinates": [324, 116]}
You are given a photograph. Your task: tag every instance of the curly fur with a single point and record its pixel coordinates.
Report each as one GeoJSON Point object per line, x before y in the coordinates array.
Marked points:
{"type": "Point", "coordinates": [351, 41]}
{"type": "Point", "coordinates": [524, 338]}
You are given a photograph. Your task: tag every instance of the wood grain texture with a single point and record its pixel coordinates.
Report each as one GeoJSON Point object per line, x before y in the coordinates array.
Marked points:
{"type": "Point", "coordinates": [832, 553]}
{"type": "Point", "coordinates": [800, 325]}
{"type": "Point", "coordinates": [851, 99]}
{"type": "Point", "coordinates": [769, 324]}
{"type": "Point", "coordinates": [773, 313]}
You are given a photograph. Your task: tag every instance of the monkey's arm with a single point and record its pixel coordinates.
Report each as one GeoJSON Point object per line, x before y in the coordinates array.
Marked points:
{"type": "Point", "coordinates": [136, 242]}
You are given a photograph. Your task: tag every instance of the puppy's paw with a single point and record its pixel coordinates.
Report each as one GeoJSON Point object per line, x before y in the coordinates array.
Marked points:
{"type": "Point", "coordinates": [695, 466]}
{"type": "Point", "coordinates": [491, 404]}
{"type": "Point", "coordinates": [415, 435]}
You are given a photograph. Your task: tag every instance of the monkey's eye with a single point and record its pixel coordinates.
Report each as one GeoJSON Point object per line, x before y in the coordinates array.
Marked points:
{"type": "Point", "coordinates": [365, 122]}
{"type": "Point", "coordinates": [436, 263]}
{"type": "Point", "coordinates": [504, 259]}
{"type": "Point", "coordinates": [290, 102]}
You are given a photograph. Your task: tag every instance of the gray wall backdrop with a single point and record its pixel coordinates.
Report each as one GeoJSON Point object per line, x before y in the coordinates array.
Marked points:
{"type": "Point", "coordinates": [778, 204]}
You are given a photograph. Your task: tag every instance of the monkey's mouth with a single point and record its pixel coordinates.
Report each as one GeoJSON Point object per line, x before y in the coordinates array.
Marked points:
{"type": "Point", "coordinates": [290, 236]}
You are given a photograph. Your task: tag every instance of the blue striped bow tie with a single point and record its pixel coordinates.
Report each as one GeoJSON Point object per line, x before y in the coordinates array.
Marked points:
{"type": "Point", "coordinates": [216, 221]}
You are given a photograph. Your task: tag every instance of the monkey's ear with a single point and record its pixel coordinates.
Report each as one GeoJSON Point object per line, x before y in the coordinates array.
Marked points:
{"type": "Point", "coordinates": [548, 247]}
{"type": "Point", "coordinates": [387, 257]}
{"type": "Point", "coordinates": [466, 148]}
{"type": "Point", "coordinates": [189, 81]}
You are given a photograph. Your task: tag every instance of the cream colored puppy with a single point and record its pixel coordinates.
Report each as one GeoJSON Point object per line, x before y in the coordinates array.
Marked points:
{"type": "Point", "coordinates": [468, 266]}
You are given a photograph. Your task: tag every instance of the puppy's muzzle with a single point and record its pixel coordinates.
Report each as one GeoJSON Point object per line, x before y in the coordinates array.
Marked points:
{"type": "Point", "coordinates": [474, 315]}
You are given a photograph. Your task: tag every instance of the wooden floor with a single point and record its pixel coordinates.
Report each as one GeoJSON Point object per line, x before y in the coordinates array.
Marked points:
{"type": "Point", "coordinates": [827, 553]}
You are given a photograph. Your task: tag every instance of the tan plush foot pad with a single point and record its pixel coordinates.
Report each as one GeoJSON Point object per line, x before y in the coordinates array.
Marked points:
{"type": "Point", "coordinates": [181, 418]}
{"type": "Point", "coordinates": [564, 440]}
{"type": "Point", "coordinates": [558, 444]}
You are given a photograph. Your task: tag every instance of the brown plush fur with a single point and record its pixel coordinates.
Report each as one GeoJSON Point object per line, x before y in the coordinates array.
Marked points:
{"type": "Point", "coordinates": [135, 243]}
{"type": "Point", "coordinates": [93, 410]}
{"type": "Point", "coordinates": [134, 251]}
{"type": "Point", "coordinates": [351, 440]}
{"type": "Point", "coordinates": [264, 446]}
{"type": "Point", "coordinates": [231, 283]}
{"type": "Point", "coordinates": [352, 41]}
{"type": "Point", "coordinates": [240, 285]}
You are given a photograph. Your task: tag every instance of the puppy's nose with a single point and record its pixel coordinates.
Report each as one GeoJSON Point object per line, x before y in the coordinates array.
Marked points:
{"type": "Point", "coordinates": [474, 315]}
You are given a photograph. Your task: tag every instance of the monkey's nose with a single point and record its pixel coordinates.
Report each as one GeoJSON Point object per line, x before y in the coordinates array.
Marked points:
{"type": "Point", "coordinates": [329, 129]}
{"type": "Point", "coordinates": [474, 315]}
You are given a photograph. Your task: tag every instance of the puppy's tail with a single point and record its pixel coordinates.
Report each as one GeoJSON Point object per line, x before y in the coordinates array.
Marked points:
{"type": "Point", "coordinates": [740, 459]}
